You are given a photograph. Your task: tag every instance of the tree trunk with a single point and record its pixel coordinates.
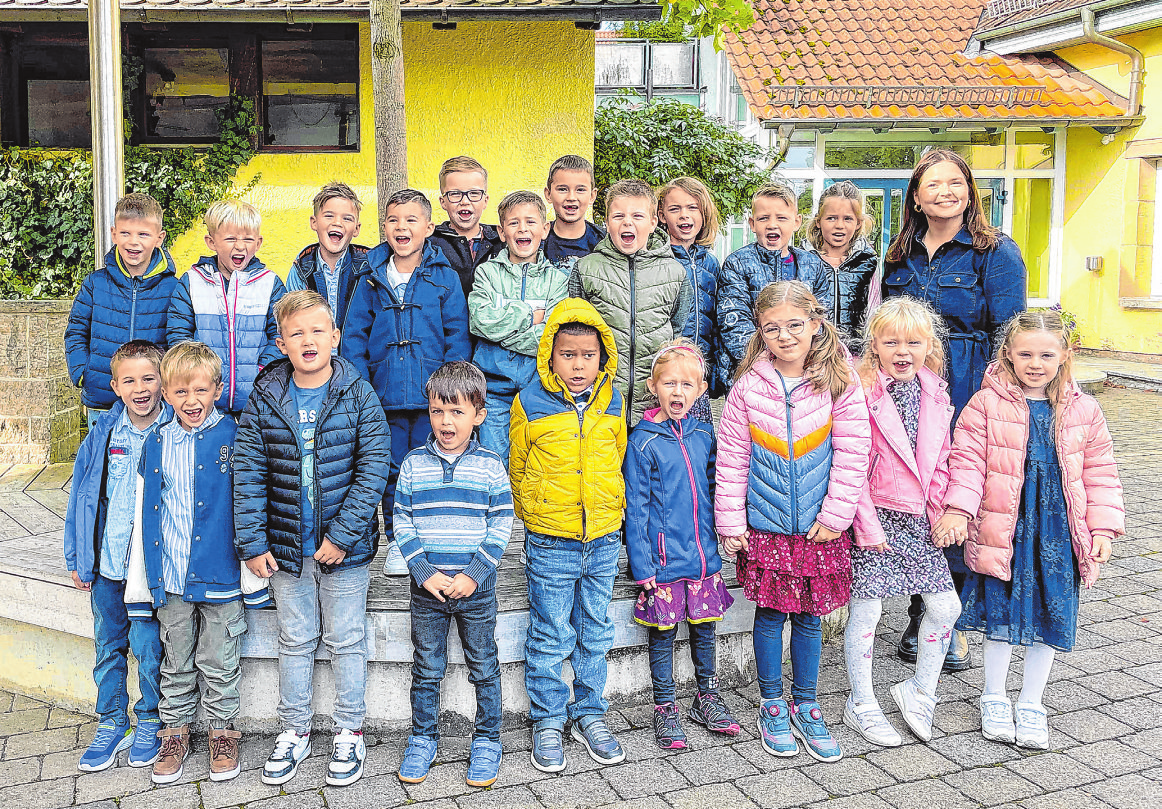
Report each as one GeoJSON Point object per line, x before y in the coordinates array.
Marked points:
{"type": "Point", "coordinates": [391, 165]}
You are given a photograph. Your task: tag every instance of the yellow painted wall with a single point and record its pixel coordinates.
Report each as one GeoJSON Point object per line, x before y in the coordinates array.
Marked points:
{"type": "Point", "coordinates": [515, 96]}
{"type": "Point", "coordinates": [1109, 209]}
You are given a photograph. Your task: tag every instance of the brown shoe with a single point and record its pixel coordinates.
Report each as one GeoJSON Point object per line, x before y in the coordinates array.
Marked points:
{"type": "Point", "coordinates": [175, 746]}
{"type": "Point", "coordinates": [224, 749]}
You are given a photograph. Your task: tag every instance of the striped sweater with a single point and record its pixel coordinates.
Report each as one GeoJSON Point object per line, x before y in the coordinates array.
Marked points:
{"type": "Point", "coordinates": [453, 517]}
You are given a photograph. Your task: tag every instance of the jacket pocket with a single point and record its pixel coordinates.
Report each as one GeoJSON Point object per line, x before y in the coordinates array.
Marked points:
{"type": "Point", "coordinates": [662, 548]}
{"type": "Point", "coordinates": [958, 293]}
{"type": "Point", "coordinates": [897, 279]}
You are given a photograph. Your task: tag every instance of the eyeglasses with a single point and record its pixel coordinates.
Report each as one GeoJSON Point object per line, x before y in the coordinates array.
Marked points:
{"type": "Point", "coordinates": [473, 195]}
{"type": "Point", "coordinates": [794, 328]}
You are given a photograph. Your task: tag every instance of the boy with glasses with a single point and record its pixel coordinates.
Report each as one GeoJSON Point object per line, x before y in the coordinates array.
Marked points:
{"type": "Point", "coordinates": [465, 241]}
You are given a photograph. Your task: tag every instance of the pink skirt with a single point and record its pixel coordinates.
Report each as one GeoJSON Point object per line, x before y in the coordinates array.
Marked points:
{"type": "Point", "coordinates": [793, 574]}
{"type": "Point", "coordinates": [668, 605]}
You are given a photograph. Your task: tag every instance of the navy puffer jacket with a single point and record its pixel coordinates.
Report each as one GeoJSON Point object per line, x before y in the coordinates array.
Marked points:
{"type": "Point", "coordinates": [702, 270]}
{"type": "Point", "coordinates": [851, 285]}
{"type": "Point", "coordinates": [352, 455]}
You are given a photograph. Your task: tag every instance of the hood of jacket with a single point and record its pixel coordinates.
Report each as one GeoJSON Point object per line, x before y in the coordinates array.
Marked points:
{"type": "Point", "coordinates": [207, 268]}
{"type": "Point", "coordinates": [573, 310]}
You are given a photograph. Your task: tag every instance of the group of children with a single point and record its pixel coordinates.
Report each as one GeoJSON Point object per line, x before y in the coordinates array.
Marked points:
{"type": "Point", "coordinates": [462, 375]}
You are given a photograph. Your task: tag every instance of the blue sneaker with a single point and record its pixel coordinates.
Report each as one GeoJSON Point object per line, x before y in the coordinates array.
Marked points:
{"type": "Point", "coordinates": [775, 728]}
{"type": "Point", "coordinates": [146, 745]}
{"type": "Point", "coordinates": [483, 763]}
{"type": "Point", "coordinates": [417, 759]}
{"type": "Point", "coordinates": [807, 723]}
{"type": "Point", "coordinates": [109, 740]}
{"type": "Point", "coordinates": [602, 747]}
{"type": "Point", "coordinates": [548, 750]}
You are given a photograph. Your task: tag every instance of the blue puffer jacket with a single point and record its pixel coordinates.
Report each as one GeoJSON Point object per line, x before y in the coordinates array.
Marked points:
{"type": "Point", "coordinates": [307, 273]}
{"type": "Point", "coordinates": [234, 317]}
{"type": "Point", "coordinates": [702, 270]}
{"type": "Point", "coordinates": [669, 489]}
{"type": "Point", "coordinates": [850, 287]}
{"type": "Point", "coordinates": [112, 308]}
{"type": "Point", "coordinates": [742, 277]}
{"type": "Point", "coordinates": [396, 345]}
{"type": "Point", "coordinates": [975, 291]}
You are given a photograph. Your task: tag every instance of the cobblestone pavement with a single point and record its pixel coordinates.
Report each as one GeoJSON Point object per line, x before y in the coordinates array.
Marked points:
{"type": "Point", "coordinates": [1105, 702]}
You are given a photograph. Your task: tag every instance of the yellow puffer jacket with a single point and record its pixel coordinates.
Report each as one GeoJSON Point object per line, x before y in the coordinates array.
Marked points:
{"type": "Point", "coordinates": [566, 473]}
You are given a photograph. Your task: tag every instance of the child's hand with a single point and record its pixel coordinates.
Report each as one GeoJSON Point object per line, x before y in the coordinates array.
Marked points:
{"type": "Point", "coordinates": [952, 527]}
{"type": "Point", "coordinates": [262, 566]}
{"type": "Point", "coordinates": [437, 583]}
{"type": "Point", "coordinates": [883, 547]}
{"type": "Point", "coordinates": [1103, 547]}
{"type": "Point", "coordinates": [461, 586]}
{"type": "Point", "coordinates": [732, 545]}
{"type": "Point", "coordinates": [650, 584]}
{"type": "Point", "coordinates": [329, 553]}
{"type": "Point", "coordinates": [87, 586]}
{"type": "Point", "coordinates": [821, 533]}
{"type": "Point", "coordinates": [538, 317]}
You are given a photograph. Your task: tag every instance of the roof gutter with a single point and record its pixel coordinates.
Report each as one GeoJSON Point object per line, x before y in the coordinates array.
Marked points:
{"type": "Point", "coordinates": [1134, 95]}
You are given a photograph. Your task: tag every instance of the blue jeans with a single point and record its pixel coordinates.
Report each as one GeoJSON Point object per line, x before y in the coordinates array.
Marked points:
{"type": "Point", "coordinates": [475, 618]}
{"type": "Point", "coordinates": [113, 636]}
{"type": "Point", "coordinates": [703, 649]}
{"type": "Point", "coordinates": [570, 587]}
{"type": "Point", "coordinates": [806, 648]}
{"type": "Point", "coordinates": [494, 430]}
{"type": "Point", "coordinates": [409, 430]}
{"type": "Point", "coordinates": [332, 606]}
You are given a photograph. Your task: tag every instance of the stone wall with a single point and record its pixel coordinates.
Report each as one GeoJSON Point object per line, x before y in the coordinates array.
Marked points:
{"type": "Point", "coordinates": [40, 409]}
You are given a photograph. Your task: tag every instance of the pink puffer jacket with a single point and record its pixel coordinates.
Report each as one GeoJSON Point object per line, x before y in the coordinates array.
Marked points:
{"type": "Point", "coordinates": [987, 470]}
{"type": "Point", "coordinates": [899, 479]}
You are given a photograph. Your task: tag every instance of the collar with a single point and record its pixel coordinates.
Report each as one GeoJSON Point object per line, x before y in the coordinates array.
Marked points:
{"type": "Point", "coordinates": [157, 264]}
{"type": "Point", "coordinates": [338, 262]}
{"type": "Point", "coordinates": [176, 431]}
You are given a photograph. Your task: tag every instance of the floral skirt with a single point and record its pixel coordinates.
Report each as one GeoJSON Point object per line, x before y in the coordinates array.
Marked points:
{"type": "Point", "coordinates": [794, 574]}
{"type": "Point", "coordinates": [668, 605]}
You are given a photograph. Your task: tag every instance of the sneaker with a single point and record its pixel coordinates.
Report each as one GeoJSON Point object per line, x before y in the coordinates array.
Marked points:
{"type": "Point", "coordinates": [146, 746]}
{"type": "Point", "coordinates": [1032, 726]}
{"type": "Point", "coordinates": [996, 719]}
{"type": "Point", "coordinates": [290, 749]}
{"type": "Point", "coordinates": [347, 754]}
{"type": "Point", "coordinates": [917, 708]}
{"type": "Point", "coordinates": [109, 740]}
{"type": "Point", "coordinates": [394, 565]}
{"type": "Point", "coordinates": [224, 753]}
{"type": "Point", "coordinates": [417, 759]}
{"type": "Point", "coordinates": [807, 723]}
{"type": "Point", "coordinates": [602, 746]}
{"type": "Point", "coordinates": [483, 763]}
{"type": "Point", "coordinates": [775, 728]}
{"type": "Point", "coordinates": [710, 711]}
{"type": "Point", "coordinates": [868, 720]}
{"type": "Point", "coordinates": [175, 746]}
{"type": "Point", "coordinates": [667, 729]}
{"type": "Point", "coordinates": [548, 750]}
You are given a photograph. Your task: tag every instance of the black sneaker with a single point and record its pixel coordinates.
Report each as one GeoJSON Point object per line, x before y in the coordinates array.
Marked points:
{"type": "Point", "coordinates": [667, 729]}
{"type": "Point", "coordinates": [710, 711]}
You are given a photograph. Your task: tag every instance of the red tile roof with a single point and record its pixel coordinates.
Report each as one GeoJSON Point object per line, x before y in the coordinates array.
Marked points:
{"type": "Point", "coordinates": [891, 59]}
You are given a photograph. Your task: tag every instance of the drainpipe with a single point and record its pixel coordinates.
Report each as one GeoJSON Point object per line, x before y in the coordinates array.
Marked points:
{"type": "Point", "coordinates": [1090, 34]}
{"type": "Point", "coordinates": [106, 114]}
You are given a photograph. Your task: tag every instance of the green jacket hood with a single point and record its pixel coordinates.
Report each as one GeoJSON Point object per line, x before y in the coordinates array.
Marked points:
{"type": "Point", "coordinates": [657, 246]}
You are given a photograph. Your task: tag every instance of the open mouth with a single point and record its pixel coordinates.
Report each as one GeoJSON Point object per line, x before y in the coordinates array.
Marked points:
{"type": "Point", "coordinates": [447, 437]}
{"type": "Point", "coordinates": [902, 366]}
{"type": "Point", "coordinates": [685, 227]}
{"type": "Point", "coordinates": [402, 241]}
{"type": "Point", "coordinates": [142, 402]}
{"type": "Point", "coordinates": [465, 214]}
{"type": "Point", "coordinates": [310, 354]}
{"type": "Point", "coordinates": [238, 262]}
{"type": "Point", "coordinates": [335, 236]}
{"type": "Point", "coordinates": [677, 407]}
{"type": "Point", "coordinates": [194, 415]}
{"type": "Point", "coordinates": [627, 237]}
{"type": "Point", "coordinates": [523, 243]}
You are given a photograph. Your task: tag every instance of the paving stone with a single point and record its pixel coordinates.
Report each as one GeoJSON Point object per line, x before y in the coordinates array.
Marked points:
{"type": "Point", "coordinates": [40, 742]}
{"type": "Point", "coordinates": [779, 790]}
{"type": "Point", "coordinates": [848, 776]}
{"type": "Point", "coordinates": [14, 722]}
{"type": "Point", "coordinates": [60, 765]}
{"type": "Point", "coordinates": [1140, 713]}
{"type": "Point", "coordinates": [648, 802]}
{"type": "Point", "coordinates": [726, 796]}
{"type": "Point", "coordinates": [713, 765]}
{"type": "Point", "coordinates": [958, 716]}
{"type": "Point", "coordinates": [1070, 696]}
{"type": "Point", "coordinates": [641, 778]}
{"type": "Point", "coordinates": [5, 700]}
{"type": "Point", "coordinates": [39, 794]}
{"type": "Point", "coordinates": [21, 703]}
{"type": "Point", "coordinates": [1147, 741]}
{"type": "Point", "coordinates": [754, 752]}
{"type": "Point", "coordinates": [1112, 758]}
{"type": "Point", "coordinates": [169, 797]}
{"type": "Point", "coordinates": [21, 771]}
{"type": "Point", "coordinates": [1065, 799]}
{"type": "Point", "coordinates": [973, 750]}
{"type": "Point", "coordinates": [1117, 685]}
{"type": "Point", "coordinates": [929, 794]}
{"type": "Point", "coordinates": [507, 798]}
{"type": "Point", "coordinates": [585, 789]}
{"type": "Point", "coordinates": [444, 780]}
{"type": "Point", "coordinates": [100, 805]}
{"type": "Point", "coordinates": [1128, 792]}
{"type": "Point", "coordinates": [1139, 651]}
{"type": "Point", "coordinates": [245, 788]}
{"type": "Point", "coordinates": [382, 759]}
{"type": "Point", "coordinates": [1088, 726]}
{"type": "Point", "coordinates": [115, 782]}
{"type": "Point", "coordinates": [1151, 673]}
{"type": "Point", "coordinates": [383, 790]}
{"type": "Point", "coordinates": [991, 785]}
{"type": "Point", "coordinates": [1053, 771]}
{"type": "Point", "coordinates": [867, 800]}
{"type": "Point", "coordinates": [60, 718]}
{"type": "Point", "coordinates": [639, 745]}
{"type": "Point", "coordinates": [303, 800]}
{"type": "Point", "coordinates": [912, 762]}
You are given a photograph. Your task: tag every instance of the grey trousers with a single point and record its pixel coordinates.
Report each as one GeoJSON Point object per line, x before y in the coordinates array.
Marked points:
{"type": "Point", "coordinates": [201, 639]}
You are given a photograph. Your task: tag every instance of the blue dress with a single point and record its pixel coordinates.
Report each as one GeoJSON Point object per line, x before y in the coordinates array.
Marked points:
{"type": "Point", "coordinates": [1039, 604]}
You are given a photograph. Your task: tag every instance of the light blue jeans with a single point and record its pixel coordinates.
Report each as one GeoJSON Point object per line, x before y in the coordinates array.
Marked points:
{"type": "Point", "coordinates": [332, 606]}
{"type": "Point", "coordinates": [494, 430]}
{"type": "Point", "coordinates": [570, 587]}
{"type": "Point", "coordinates": [114, 635]}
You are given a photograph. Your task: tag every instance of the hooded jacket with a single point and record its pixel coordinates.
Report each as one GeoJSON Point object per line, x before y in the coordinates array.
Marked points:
{"type": "Point", "coordinates": [851, 284]}
{"type": "Point", "coordinates": [702, 270]}
{"type": "Point", "coordinates": [307, 273]}
{"type": "Point", "coordinates": [645, 298]}
{"type": "Point", "coordinates": [987, 469]}
{"type": "Point", "coordinates": [396, 345]}
{"type": "Point", "coordinates": [113, 307]}
{"type": "Point", "coordinates": [565, 466]}
{"type": "Point", "coordinates": [234, 316]}
{"type": "Point", "coordinates": [789, 458]}
{"type": "Point", "coordinates": [669, 492]}
{"type": "Point", "coordinates": [500, 313]}
{"type": "Point", "coordinates": [459, 254]}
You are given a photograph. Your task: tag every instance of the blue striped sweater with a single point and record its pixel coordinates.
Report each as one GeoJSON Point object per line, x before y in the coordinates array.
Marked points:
{"type": "Point", "coordinates": [453, 517]}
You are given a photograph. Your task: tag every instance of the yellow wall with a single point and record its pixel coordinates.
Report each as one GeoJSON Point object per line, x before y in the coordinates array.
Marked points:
{"type": "Point", "coordinates": [513, 95]}
{"type": "Point", "coordinates": [1109, 210]}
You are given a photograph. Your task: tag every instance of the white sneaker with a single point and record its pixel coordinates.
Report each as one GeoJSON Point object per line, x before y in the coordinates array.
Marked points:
{"type": "Point", "coordinates": [868, 720]}
{"type": "Point", "coordinates": [290, 749]}
{"type": "Point", "coordinates": [917, 708]}
{"type": "Point", "coordinates": [996, 718]}
{"type": "Point", "coordinates": [347, 755]}
{"type": "Point", "coordinates": [394, 565]}
{"type": "Point", "coordinates": [1032, 726]}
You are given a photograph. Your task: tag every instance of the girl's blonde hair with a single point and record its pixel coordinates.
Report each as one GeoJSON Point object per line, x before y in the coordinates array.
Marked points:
{"type": "Point", "coordinates": [846, 190]}
{"type": "Point", "coordinates": [908, 317]}
{"type": "Point", "coordinates": [698, 190]}
{"type": "Point", "coordinates": [1046, 321]}
{"type": "Point", "coordinates": [826, 364]}
{"type": "Point", "coordinates": [680, 348]}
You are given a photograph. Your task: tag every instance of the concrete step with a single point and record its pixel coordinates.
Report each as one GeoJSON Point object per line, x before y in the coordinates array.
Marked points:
{"type": "Point", "coordinates": [1136, 374]}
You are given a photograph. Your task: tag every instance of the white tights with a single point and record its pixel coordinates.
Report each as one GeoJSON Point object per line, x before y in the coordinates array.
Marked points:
{"type": "Point", "coordinates": [940, 613]}
{"type": "Point", "coordinates": [1038, 662]}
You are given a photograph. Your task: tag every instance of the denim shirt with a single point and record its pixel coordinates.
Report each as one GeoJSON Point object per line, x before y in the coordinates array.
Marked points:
{"type": "Point", "coordinates": [124, 453]}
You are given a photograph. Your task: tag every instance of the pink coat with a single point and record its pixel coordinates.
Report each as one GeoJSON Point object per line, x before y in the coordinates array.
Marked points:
{"type": "Point", "coordinates": [987, 470]}
{"type": "Point", "coordinates": [899, 479]}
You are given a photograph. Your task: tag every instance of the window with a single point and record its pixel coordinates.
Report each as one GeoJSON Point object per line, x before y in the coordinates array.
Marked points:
{"type": "Point", "coordinates": [184, 87]}
{"type": "Point", "coordinates": [58, 113]}
{"type": "Point", "coordinates": [621, 65]}
{"type": "Point", "coordinates": [309, 90]}
{"type": "Point", "coordinates": [672, 64]}
{"type": "Point", "coordinates": [650, 68]}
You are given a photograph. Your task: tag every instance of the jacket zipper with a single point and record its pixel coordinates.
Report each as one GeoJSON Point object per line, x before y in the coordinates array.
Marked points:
{"type": "Point", "coordinates": [694, 494]}
{"type": "Point", "coordinates": [662, 547]}
{"type": "Point", "coordinates": [791, 457]}
{"type": "Point", "coordinates": [693, 272]}
{"type": "Point", "coordinates": [580, 454]}
{"type": "Point", "coordinates": [229, 333]}
{"type": "Point", "coordinates": [632, 337]}
{"type": "Point", "coordinates": [134, 284]}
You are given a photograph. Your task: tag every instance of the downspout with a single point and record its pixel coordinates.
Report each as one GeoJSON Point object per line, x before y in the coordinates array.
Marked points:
{"type": "Point", "coordinates": [1090, 35]}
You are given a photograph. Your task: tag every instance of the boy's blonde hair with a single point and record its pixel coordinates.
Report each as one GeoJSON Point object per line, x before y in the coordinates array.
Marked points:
{"type": "Point", "coordinates": [636, 189]}
{"type": "Point", "coordinates": [299, 301]}
{"type": "Point", "coordinates": [187, 358]}
{"type": "Point", "coordinates": [908, 317]}
{"type": "Point", "coordinates": [1047, 321]}
{"type": "Point", "coordinates": [676, 350]}
{"type": "Point", "coordinates": [697, 189]}
{"type": "Point", "coordinates": [136, 350]}
{"type": "Point", "coordinates": [522, 198]}
{"type": "Point", "coordinates": [775, 191]}
{"type": "Point", "coordinates": [461, 163]}
{"type": "Point", "coordinates": [139, 206]}
{"type": "Point", "coordinates": [571, 162]}
{"type": "Point", "coordinates": [233, 212]}
{"type": "Point", "coordinates": [846, 190]}
{"type": "Point", "coordinates": [335, 190]}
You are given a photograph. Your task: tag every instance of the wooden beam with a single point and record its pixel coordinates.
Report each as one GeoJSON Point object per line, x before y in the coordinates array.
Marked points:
{"type": "Point", "coordinates": [391, 161]}
{"type": "Point", "coordinates": [245, 76]}
{"type": "Point", "coordinates": [9, 90]}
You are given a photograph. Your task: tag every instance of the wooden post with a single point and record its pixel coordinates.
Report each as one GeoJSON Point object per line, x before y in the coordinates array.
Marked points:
{"type": "Point", "coordinates": [391, 159]}
{"type": "Point", "coordinates": [244, 78]}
